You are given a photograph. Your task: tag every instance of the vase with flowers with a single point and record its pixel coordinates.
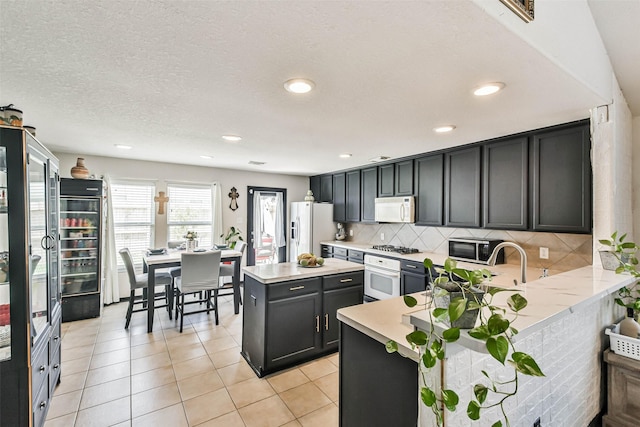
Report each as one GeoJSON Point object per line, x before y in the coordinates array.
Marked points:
{"type": "Point", "coordinates": [191, 240]}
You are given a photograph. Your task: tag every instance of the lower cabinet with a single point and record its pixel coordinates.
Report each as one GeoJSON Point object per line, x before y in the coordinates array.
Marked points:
{"type": "Point", "coordinates": [291, 322]}
{"type": "Point", "coordinates": [413, 277]}
{"type": "Point", "coordinates": [623, 389]}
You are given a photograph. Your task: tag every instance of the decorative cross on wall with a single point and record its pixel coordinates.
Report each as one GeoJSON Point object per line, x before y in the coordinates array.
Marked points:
{"type": "Point", "coordinates": [161, 199]}
{"type": "Point", "coordinates": [234, 195]}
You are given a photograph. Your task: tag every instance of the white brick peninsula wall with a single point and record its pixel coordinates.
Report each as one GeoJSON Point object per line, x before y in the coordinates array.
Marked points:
{"type": "Point", "coordinates": [563, 329]}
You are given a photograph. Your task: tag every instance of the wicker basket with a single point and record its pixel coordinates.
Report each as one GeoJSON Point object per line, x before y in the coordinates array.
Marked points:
{"type": "Point", "coordinates": [622, 344]}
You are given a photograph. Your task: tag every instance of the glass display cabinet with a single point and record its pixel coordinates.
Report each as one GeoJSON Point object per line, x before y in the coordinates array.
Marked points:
{"type": "Point", "coordinates": [81, 247]}
{"type": "Point", "coordinates": [30, 312]}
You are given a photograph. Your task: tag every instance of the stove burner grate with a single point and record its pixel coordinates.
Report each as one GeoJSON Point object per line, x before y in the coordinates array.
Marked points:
{"type": "Point", "coordinates": [398, 249]}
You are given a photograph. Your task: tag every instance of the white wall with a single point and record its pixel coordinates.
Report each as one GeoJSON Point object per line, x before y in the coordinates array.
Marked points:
{"type": "Point", "coordinates": [160, 173]}
{"type": "Point", "coordinates": [635, 171]}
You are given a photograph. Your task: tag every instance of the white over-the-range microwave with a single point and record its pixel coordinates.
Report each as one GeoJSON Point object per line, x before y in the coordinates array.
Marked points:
{"type": "Point", "coordinates": [395, 209]}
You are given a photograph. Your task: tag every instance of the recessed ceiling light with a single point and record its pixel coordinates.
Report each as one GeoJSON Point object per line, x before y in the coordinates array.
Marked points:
{"type": "Point", "coordinates": [379, 159]}
{"type": "Point", "coordinates": [444, 129]}
{"type": "Point", "coordinates": [345, 155]}
{"type": "Point", "coordinates": [254, 162]}
{"type": "Point", "coordinates": [206, 157]}
{"type": "Point", "coordinates": [232, 138]}
{"type": "Point", "coordinates": [488, 89]}
{"type": "Point", "coordinates": [123, 147]}
{"type": "Point", "coordinates": [299, 85]}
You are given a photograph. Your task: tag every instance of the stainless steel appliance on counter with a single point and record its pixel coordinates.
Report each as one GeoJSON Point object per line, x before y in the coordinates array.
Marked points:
{"type": "Point", "coordinates": [472, 249]}
{"type": "Point", "coordinates": [311, 223]}
{"type": "Point", "coordinates": [381, 277]}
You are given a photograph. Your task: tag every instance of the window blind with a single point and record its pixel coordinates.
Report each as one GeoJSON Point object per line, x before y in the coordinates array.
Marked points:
{"type": "Point", "coordinates": [190, 209]}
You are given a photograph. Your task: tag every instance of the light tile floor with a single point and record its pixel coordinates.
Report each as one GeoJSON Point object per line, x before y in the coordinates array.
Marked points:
{"type": "Point", "coordinates": [117, 377]}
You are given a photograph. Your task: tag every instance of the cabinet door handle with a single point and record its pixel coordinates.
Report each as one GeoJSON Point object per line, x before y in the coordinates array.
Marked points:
{"type": "Point", "coordinates": [56, 338]}
{"type": "Point", "coordinates": [42, 368]}
{"type": "Point", "coordinates": [317, 323]}
{"type": "Point", "coordinates": [296, 288]}
{"type": "Point", "coordinates": [326, 321]}
{"type": "Point", "coordinates": [411, 266]}
{"type": "Point", "coordinates": [43, 404]}
{"type": "Point", "coordinates": [56, 366]}
{"type": "Point", "coordinates": [346, 280]}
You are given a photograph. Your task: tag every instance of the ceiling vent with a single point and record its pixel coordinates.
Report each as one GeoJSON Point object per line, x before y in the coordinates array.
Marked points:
{"type": "Point", "coordinates": [379, 159]}
{"type": "Point", "coordinates": [253, 162]}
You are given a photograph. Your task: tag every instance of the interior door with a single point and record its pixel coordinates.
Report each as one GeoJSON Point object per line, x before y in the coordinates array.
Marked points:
{"type": "Point", "coordinates": [266, 225]}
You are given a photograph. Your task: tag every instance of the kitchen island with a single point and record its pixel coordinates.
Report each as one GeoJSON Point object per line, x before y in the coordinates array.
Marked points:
{"type": "Point", "coordinates": [289, 312]}
{"type": "Point", "coordinates": [562, 328]}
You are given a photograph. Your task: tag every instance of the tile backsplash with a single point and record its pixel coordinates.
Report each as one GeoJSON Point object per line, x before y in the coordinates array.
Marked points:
{"type": "Point", "coordinates": [566, 251]}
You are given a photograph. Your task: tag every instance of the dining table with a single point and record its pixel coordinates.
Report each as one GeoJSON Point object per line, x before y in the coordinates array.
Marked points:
{"type": "Point", "coordinates": [172, 258]}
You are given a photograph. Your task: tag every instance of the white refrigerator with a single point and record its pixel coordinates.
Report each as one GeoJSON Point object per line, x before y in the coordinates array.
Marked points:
{"type": "Point", "coordinates": [311, 223]}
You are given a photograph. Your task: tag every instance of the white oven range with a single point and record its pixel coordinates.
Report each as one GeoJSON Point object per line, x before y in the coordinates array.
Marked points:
{"type": "Point", "coordinates": [381, 277]}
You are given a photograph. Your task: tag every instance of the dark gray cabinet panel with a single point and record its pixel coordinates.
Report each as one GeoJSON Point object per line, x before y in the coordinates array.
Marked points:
{"type": "Point", "coordinates": [429, 181]}
{"type": "Point", "coordinates": [368, 194]}
{"type": "Point", "coordinates": [326, 189]}
{"type": "Point", "coordinates": [339, 197]}
{"type": "Point", "coordinates": [462, 188]}
{"type": "Point", "coordinates": [314, 186]}
{"type": "Point", "coordinates": [353, 196]}
{"type": "Point", "coordinates": [504, 187]}
{"type": "Point", "coordinates": [561, 180]}
{"type": "Point", "coordinates": [333, 300]}
{"type": "Point", "coordinates": [386, 177]}
{"type": "Point", "coordinates": [404, 178]}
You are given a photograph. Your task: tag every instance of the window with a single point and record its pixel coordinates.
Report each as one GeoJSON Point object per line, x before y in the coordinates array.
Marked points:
{"type": "Point", "coordinates": [190, 209]}
{"type": "Point", "coordinates": [133, 214]}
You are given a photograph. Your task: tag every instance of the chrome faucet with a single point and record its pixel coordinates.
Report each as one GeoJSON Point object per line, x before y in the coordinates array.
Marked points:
{"type": "Point", "coordinates": [523, 258]}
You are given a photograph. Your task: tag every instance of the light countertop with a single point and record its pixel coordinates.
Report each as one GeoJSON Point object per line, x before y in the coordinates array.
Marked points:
{"type": "Point", "coordinates": [274, 273]}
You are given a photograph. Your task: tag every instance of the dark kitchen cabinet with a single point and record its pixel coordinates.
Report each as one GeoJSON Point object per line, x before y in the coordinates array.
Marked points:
{"type": "Point", "coordinates": [354, 255]}
{"type": "Point", "coordinates": [462, 188]}
{"type": "Point", "coordinates": [314, 186]}
{"type": "Point", "coordinates": [561, 180]}
{"type": "Point", "coordinates": [340, 291]}
{"type": "Point", "coordinates": [404, 178]}
{"type": "Point", "coordinates": [326, 189]}
{"type": "Point", "coordinates": [414, 277]}
{"type": "Point", "coordinates": [368, 194]}
{"type": "Point", "coordinates": [386, 177]}
{"type": "Point", "coordinates": [291, 322]}
{"type": "Point", "coordinates": [353, 196]}
{"type": "Point", "coordinates": [429, 182]}
{"type": "Point", "coordinates": [326, 251]}
{"type": "Point", "coordinates": [339, 197]}
{"type": "Point", "coordinates": [505, 184]}
{"type": "Point", "coordinates": [340, 253]}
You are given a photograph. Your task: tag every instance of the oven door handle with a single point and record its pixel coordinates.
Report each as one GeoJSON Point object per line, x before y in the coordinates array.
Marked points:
{"type": "Point", "coordinates": [382, 272]}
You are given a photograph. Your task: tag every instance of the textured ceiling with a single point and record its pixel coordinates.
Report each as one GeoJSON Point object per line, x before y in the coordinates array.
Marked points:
{"type": "Point", "coordinates": [171, 77]}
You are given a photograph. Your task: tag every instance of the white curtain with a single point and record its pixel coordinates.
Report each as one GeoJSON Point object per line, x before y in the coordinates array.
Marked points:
{"type": "Point", "coordinates": [218, 228]}
{"type": "Point", "coordinates": [280, 239]}
{"type": "Point", "coordinates": [257, 220]}
{"type": "Point", "coordinates": [111, 288]}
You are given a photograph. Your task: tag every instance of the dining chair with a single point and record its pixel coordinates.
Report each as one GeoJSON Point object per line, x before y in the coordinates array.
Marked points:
{"type": "Point", "coordinates": [140, 281]}
{"type": "Point", "coordinates": [200, 274]}
{"type": "Point", "coordinates": [227, 270]}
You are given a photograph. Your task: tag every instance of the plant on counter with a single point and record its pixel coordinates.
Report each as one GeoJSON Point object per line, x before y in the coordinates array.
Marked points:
{"type": "Point", "coordinates": [232, 236]}
{"type": "Point", "coordinates": [619, 253]}
{"type": "Point", "coordinates": [493, 327]}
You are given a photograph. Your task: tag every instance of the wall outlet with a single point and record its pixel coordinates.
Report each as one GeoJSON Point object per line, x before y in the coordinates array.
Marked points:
{"type": "Point", "coordinates": [351, 232]}
{"type": "Point", "coordinates": [544, 253]}
{"type": "Point", "coordinates": [381, 236]}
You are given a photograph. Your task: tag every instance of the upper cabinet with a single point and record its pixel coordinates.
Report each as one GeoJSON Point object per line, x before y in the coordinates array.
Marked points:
{"type": "Point", "coordinates": [396, 179]}
{"type": "Point", "coordinates": [326, 189]}
{"type": "Point", "coordinates": [462, 188]}
{"type": "Point", "coordinates": [561, 180]}
{"type": "Point", "coordinates": [404, 178]}
{"type": "Point", "coordinates": [339, 197]}
{"type": "Point", "coordinates": [368, 193]}
{"type": "Point", "coordinates": [353, 196]}
{"type": "Point", "coordinates": [505, 179]}
{"type": "Point", "coordinates": [429, 182]}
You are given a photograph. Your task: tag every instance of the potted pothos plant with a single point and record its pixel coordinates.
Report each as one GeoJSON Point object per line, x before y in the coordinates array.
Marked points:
{"type": "Point", "coordinates": [626, 262]}
{"type": "Point", "coordinates": [493, 326]}
{"type": "Point", "coordinates": [232, 236]}
{"type": "Point", "coordinates": [618, 253]}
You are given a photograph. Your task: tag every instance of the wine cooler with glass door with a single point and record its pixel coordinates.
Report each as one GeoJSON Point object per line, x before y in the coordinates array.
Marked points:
{"type": "Point", "coordinates": [80, 247]}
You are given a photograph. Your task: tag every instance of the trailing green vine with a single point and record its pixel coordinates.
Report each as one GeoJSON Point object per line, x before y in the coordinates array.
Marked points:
{"type": "Point", "coordinates": [494, 329]}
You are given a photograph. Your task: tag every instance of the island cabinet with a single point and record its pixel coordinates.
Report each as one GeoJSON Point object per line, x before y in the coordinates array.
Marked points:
{"type": "Point", "coordinates": [368, 194]}
{"type": "Point", "coordinates": [462, 188]}
{"type": "Point", "coordinates": [561, 156]}
{"type": "Point", "coordinates": [352, 196]}
{"type": "Point", "coordinates": [505, 182]}
{"type": "Point", "coordinates": [290, 322]}
{"type": "Point", "coordinates": [339, 197]}
{"type": "Point", "coordinates": [429, 182]}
